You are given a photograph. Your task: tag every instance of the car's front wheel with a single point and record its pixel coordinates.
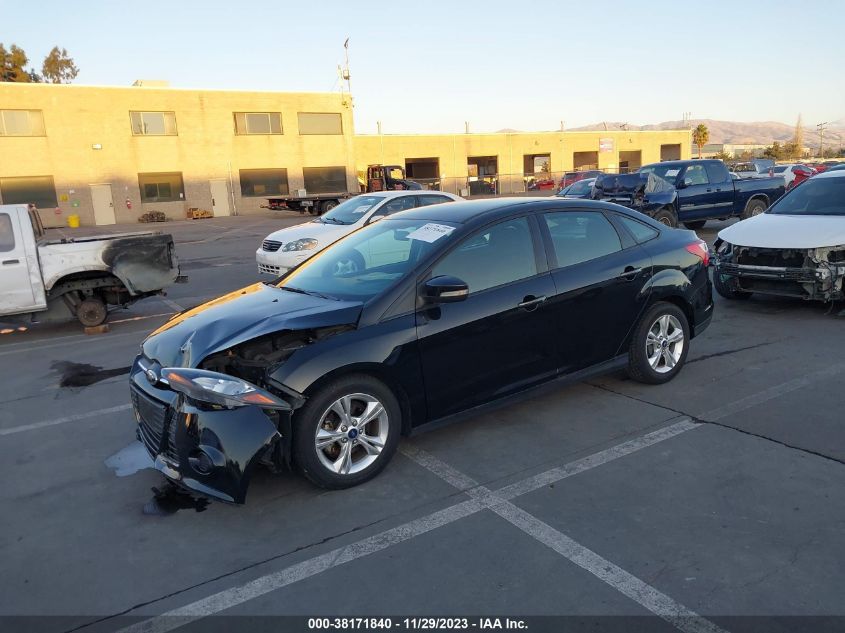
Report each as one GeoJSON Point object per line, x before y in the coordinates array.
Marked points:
{"type": "Point", "coordinates": [347, 431]}
{"type": "Point", "coordinates": [660, 344]}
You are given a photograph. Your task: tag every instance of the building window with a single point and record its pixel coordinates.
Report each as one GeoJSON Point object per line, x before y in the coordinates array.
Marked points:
{"type": "Point", "coordinates": [320, 123]}
{"type": "Point", "coordinates": [37, 190]}
{"type": "Point", "coordinates": [257, 183]}
{"type": "Point", "coordinates": [21, 123]}
{"type": "Point", "coordinates": [164, 187]}
{"type": "Point", "coordinates": [324, 179]}
{"type": "Point", "coordinates": [153, 123]}
{"type": "Point", "coordinates": [258, 122]}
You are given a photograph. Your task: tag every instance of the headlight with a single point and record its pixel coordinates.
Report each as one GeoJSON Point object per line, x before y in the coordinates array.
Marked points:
{"type": "Point", "coordinates": [305, 244]}
{"type": "Point", "coordinates": [216, 388]}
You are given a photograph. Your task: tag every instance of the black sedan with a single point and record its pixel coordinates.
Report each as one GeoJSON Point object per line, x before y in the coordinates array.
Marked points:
{"type": "Point", "coordinates": [457, 305]}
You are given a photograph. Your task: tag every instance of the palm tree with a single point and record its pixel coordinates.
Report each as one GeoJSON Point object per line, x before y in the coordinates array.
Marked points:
{"type": "Point", "coordinates": [700, 136]}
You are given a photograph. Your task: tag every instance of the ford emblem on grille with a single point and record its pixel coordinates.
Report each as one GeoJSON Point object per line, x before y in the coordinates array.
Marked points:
{"type": "Point", "coordinates": [151, 377]}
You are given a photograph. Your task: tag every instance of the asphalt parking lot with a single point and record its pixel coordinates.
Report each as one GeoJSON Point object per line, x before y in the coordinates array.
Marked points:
{"type": "Point", "coordinates": [716, 497]}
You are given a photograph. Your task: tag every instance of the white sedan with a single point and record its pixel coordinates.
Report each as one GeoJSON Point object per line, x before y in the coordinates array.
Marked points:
{"type": "Point", "coordinates": [287, 248]}
{"type": "Point", "coordinates": [795, 249]}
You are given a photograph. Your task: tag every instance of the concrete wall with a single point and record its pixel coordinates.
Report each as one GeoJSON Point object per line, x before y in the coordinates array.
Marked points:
{"type": "Point", "coordinates": [453, 150]}
{"type": "Point", "coordinates": [206, 147]}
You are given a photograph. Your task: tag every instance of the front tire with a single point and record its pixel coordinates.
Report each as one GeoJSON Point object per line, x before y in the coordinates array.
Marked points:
{"type": "Point", "coordinates": [347, 432]}
{"type": "Point", "coordinates": [666, 216]}
{"type": "Point", "coordinates": [660, 344]}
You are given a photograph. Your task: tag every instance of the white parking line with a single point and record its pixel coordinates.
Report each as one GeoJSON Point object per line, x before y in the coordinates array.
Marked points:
{"type": "Point", "coordinates": [626, 583]}
{"type": "Point", "coordinates": [171, 304]}
{"type": "Point", "coordinates": [772, 392]}
{"type": "Point", "coordinates": [67, 418]}
{"type": "Point", "coordinates": [480, 500]}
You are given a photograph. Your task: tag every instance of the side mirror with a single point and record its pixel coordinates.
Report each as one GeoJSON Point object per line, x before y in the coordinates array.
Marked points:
{"type": "Point", "coordinates": [684, 183]}
{"type": "Point", "coordinates": [445, 289]}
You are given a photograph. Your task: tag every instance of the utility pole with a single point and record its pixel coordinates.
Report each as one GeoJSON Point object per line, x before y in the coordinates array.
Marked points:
{"type": "Point", "coordinates": [344, 72]}
{"type": "Point", "coordinates": [821, 128]}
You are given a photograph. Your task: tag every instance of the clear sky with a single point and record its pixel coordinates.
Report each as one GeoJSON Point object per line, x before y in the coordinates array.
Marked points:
{"type": "Point", "coordinates": [428, 66]}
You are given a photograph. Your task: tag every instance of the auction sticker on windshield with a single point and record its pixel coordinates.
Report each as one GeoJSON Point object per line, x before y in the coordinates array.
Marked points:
{"type": "Point", "coordinates": [431, 232]}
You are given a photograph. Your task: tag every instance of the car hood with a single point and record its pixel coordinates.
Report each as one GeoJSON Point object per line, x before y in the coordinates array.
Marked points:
{"type": "Point", "coordinates": [240, 316]}
{"type": "Point", "coordinates": [323, 233]}
{"type": "Point", "coordinates": [769, 230]}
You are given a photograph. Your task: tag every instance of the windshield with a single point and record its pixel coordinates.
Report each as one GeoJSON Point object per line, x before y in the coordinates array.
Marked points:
{"type": "Point", "coordinates": [816, 196]}
{"type": "Point", "coordinates": [368, 261]}
{"type": "Point", "coordinates": [580, 188]}
{"type": "Point", "coordinates": [350, 211]}
{"type": "Point", "coordinates": [669, 173]}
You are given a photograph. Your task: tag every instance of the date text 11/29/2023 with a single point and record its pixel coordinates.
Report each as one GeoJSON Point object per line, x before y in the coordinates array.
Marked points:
{"type": "Point", "coordinates": [415, 624]}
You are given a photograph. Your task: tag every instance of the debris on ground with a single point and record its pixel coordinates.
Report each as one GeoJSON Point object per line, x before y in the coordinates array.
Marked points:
{"type": "Point", "coordinates": [153, 216]}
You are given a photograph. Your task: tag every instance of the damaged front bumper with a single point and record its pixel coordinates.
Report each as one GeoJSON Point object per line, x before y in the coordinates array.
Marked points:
{"type": "Point", "coordinates": [812, 274]}
{"type": "Point", "coordinates": [209, 449]}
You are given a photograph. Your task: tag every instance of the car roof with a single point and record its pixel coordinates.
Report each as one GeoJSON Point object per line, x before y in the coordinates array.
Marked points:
{"type": "Point", "coordinates": [471, 212]}
{"type": "Point", "coordinates": [836, 173]}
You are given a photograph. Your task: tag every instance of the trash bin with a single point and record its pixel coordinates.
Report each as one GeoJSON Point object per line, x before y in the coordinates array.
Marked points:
{"type": "Point", "coordinates": [73, 221]}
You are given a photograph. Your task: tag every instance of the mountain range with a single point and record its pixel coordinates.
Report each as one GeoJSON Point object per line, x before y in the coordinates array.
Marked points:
{"type": "Point", "coordinates": [739, 133]}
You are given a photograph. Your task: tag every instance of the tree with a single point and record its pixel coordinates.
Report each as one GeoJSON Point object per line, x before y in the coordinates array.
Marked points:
{"type": "Point", "coordinates": [798, 137]}
{"type": "Point", "coordinates": [723, 156]}
{"type": "Point", "coordinates": [58, 68]}
{"type": "Point", "coordinates": [774, 151]}
{"type": "Point", "coordinates": [700, 136]}
{"type": "Point", "coordinates": [13, 66]}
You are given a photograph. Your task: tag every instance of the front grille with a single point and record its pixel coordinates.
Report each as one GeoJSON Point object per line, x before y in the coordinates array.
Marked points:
{"type": "Point", "coordinates": [806, 275]}
{"type": "Point", "coordinates": [271, 246]}
{"type": "Point", "coordinates": [156, 424]}
{"type": "Point", "coordinates": [270, 270]}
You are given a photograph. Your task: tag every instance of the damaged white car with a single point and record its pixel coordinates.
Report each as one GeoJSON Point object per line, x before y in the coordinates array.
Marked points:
{"type": "Point", "coordinates": [795, 249]}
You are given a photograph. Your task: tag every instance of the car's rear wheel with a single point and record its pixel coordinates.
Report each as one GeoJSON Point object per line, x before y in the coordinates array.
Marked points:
{"type": "Point", "coordinates": [725, 287]}
{"type": "Point", "coordinates": [91, 312]}
{"type": "Point", "coordinates": [346, 432]}
{"type": "Point", "coordinates": [694, 226]}
{"type": "Point", "coordinates": [328, 205]}
{"type": "Point", "coordinates": [754, 207]}
{"type": "Point", "coordinates": [660, 344]}
{"type": "Point", "coordinates": [666, 216]}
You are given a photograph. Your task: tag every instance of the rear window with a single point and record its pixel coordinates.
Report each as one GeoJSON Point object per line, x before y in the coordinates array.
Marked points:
{"type": "Point", "coordinates": [780, 170]}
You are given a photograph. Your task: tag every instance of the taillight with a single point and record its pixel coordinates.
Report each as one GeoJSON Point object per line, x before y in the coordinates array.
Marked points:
{"type": "Point", "coordinates": [699, 249]}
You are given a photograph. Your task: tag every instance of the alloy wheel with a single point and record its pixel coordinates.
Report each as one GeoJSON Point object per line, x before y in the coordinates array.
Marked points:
{"type": "Point", "coordinates": [351, 434]}
{"type": "Point", "coordinates": [664, 343]}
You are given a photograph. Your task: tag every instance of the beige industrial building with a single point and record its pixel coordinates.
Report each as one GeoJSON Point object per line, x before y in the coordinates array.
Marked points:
{"type": "Point", "coordinates": [110, 154]}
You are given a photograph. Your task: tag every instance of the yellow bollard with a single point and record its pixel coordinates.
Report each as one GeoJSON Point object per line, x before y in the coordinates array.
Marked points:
{"type": "Point", "coordinates": [73, 221]}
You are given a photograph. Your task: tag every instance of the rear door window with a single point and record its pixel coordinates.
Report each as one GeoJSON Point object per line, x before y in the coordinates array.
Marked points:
{"type": "Point", "coordinates": [580, 236]}
{"type": "Point", "coordinates": [641, 232]}
{"type": "Point", "coordinates": [427, 200]}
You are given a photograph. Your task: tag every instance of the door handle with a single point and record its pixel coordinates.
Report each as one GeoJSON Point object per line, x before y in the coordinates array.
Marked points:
{"type": "Point", "coordinates": [9, 262]}
{"type": "Point", "coordinates": [531, 302]}
{"type": "Point", "coordinates": [709, 190]}
{"type": "Point", "coordinates": [630, 273]}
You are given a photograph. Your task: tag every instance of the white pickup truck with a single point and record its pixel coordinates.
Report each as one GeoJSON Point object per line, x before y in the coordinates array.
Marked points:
{"type": "Point", "coordinates": [80, 276]}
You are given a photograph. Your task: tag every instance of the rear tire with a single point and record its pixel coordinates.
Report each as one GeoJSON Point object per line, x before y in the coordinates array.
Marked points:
{"type": "Point", "coordinates": [694, 226]}
{"type": "Point", "coordinates": [666, 216]}
{"type": "Point", "coordinates": [337, 412]}
{"type": "Point", "coordinates": [660, 344]}
{"type": "Point", "coordinates": [725, 289]}
{"type": "Point", "coordinates": [755, 206]}
{"type": "Point", "coordinates": [91, 312]}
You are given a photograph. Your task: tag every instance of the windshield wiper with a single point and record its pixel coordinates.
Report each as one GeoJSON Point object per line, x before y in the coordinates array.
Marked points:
{"type": "Point", "coordinates": [313, 293]}
{"type": "Point", "coordinates": [333, 221]}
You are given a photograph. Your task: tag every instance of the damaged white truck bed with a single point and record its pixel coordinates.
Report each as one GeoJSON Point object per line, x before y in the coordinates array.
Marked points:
{"type": "Point", "coordinates": [79, 277]}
